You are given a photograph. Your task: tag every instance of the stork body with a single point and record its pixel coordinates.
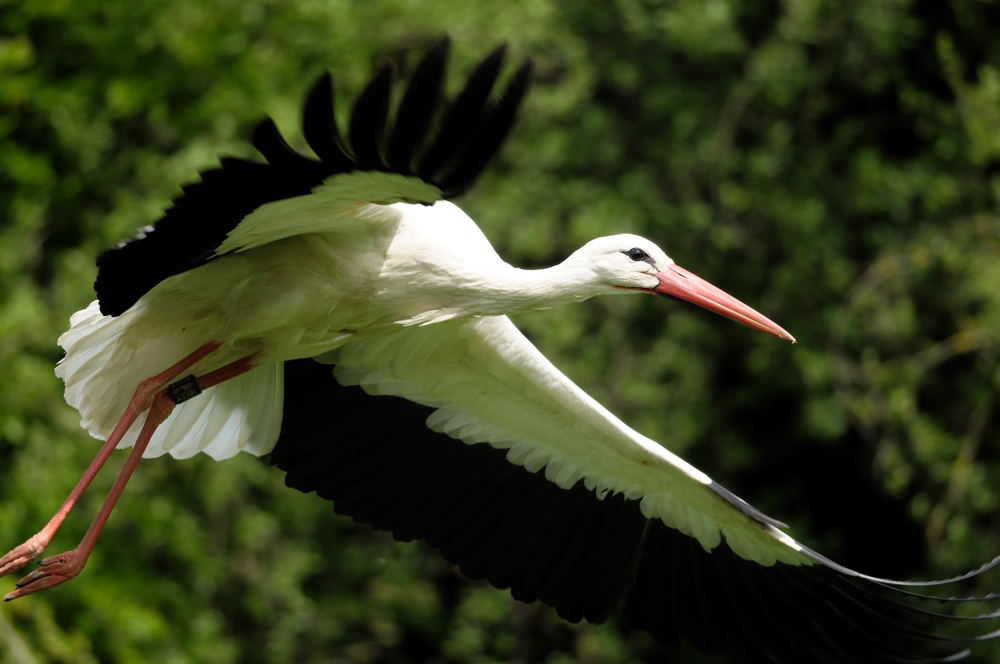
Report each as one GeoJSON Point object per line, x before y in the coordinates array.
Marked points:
{"type": "Point", "coordinates": [385, 268]}
{"type": "Point", "coordinates": [301, 293]}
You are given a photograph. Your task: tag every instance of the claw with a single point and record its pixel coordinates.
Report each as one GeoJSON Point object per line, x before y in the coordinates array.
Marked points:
{"type": "Point", "coordinates": [22, 555]}
{"type": "Point", "coordinates": [52, 571]}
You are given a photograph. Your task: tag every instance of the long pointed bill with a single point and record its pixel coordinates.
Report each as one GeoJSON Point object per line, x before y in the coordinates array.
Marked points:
{"type": "Point", "coordinates": [677, 282]}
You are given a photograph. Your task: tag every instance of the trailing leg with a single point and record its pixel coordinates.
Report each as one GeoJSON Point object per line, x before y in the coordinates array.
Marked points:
{"type": "Point", "coordinates": [58, 569]}
{"type": "Point", "coordinates": [140, 402]}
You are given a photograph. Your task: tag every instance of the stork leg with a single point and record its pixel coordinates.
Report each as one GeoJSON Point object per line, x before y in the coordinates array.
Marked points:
{"type": "Point", "coordinates": [140, 402]}
{"type": "Point", "coordinates": [63, 567]}
{"type": "Point", "coordinates": [60, 568]}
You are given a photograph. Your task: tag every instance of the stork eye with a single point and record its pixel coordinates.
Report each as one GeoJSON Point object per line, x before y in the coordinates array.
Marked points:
{"type": "Point", "coordinates": [636, 254]}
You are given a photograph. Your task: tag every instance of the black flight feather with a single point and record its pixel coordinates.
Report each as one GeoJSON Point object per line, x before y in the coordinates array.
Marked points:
{"type": "Point", "coordinates": [497, 538]}
{"type": "Point", "coordinates": [527, 584]}
{"type": "Point", "coordinates": [460, 124]}
{"type": "Point", "coordinates": [319, 126]}
{"type": "Point", "coordinates": [497, 123]}
{"type": "Point", "coordinates": [516, 551]}
{"type": "Point", "coordinates": [614, 572]}
{"type": "Point", "coordinates": [417, 108]}
{"type": "Point", "coordinates": [723, 626]}
{"type": "Point", "coordinates": [685, 605]}
{"type": "Point", "coordinates": [589, 569]}
{"type": "Point", "coordinates": [368, 120]}
{"type": "Point", "coordinates": [269, 142]}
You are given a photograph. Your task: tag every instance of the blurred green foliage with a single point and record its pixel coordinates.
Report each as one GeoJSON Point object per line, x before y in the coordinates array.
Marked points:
{"type": "Point", "coordinates": [834, 164]}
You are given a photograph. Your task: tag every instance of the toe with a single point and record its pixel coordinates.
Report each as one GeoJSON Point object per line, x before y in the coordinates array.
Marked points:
{"type": "Point", "coordinates": [51, 572]}
{"type": "Point", "coordinates": [21, 556]}
{"type": "Point", "coordinates": [12, 565]}
{"type": "Point", "coordinates": [33, 584]}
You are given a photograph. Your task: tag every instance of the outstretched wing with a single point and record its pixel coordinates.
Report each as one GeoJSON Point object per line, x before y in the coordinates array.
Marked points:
{"type": "Point", "coordinates": [378, 163]}
{"type": "Point", "coordinates": [463, 435]}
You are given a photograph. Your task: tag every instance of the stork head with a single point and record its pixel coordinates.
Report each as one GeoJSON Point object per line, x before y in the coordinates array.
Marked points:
{"type": "Point", "coordinates": [633, 263]}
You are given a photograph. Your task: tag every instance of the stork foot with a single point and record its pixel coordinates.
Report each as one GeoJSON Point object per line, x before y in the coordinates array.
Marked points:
{"type": "Point", "coordinates": [53, 571]}
{"type": "Point", "coordinates": [24, 554]}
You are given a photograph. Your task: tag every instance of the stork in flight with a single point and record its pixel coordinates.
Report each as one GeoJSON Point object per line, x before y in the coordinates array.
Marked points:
{"type": "Point", "coordinates": [343, 316]}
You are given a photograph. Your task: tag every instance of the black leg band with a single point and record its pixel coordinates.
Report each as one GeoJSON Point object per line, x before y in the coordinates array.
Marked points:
{"type": "Point", "coordinates": [184, 389]}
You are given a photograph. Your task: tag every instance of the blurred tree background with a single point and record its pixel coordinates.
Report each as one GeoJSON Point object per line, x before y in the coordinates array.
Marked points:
{"type": "Point", "coordinates": [834, 164]}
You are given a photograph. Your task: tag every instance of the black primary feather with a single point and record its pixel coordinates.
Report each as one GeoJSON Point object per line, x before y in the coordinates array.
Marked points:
{"type": "Point", "coordinates": [319, 125]}
{"type": "Point", "coordinates": [368, 120]}
{"type": "Point", "coordinates": [461, 124]}
{"type": "Point", "coordinates": [416, 111]}
{"type": "Point", "coordinates": [375, 458]}
{"type": "Point", "coordinates": [499, 119]}
{"type": "Point", "coordinates": [190, 231]}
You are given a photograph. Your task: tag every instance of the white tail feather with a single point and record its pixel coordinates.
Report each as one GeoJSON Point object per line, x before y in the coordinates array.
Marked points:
{"type": "Point", "coordinates": [243, 413]}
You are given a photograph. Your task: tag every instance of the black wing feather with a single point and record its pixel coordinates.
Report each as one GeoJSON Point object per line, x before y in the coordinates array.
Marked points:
{"type": "Point", "coordinates": [368, 120]}
{"type": "Point", "coordinates": [520, 546]}
{"type": "Point", "coordinates": [269, 142]}
{"type": "Point", "coordinates": [417, 108]}
{"type": "Point", "coordinates": [496, 540]}
{"type": "Point", "coordinates": [491, 132]}
{"type": "Point", "coordinates": [439, 495]}
{"type": "Point", "coordinates": [599, 571]}
{"type": "Point", "coordinates": [461, 122]}
{"type": "Point", "coordinates": [190, 232]}
{"type": "Point", "coordinates": [319, 126]}
{"type": "Point", "coordinates": [527, 581]}
{"type": "Point", "coordinates": [621, 557]}
{"type": "Point", "coordinates": [580, 554]}
{"type": "Point", "coordinates": [723, 627]}
{"type": "Point", "coordinates": [685, 604]}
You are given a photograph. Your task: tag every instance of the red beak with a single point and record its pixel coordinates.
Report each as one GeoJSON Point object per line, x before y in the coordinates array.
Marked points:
{"type": "Point", "coordinates": [677, 282]}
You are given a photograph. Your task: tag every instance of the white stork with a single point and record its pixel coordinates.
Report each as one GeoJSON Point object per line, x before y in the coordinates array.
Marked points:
{"type": "Point", "coordinates": [340, 314]}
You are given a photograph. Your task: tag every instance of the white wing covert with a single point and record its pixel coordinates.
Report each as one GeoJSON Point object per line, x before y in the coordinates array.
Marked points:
{"type": "Point", "coordinates": [338, 205]}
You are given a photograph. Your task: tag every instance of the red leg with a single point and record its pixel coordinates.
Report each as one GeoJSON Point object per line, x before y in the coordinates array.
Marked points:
{"type": "Point", "coordinates": [222, 374]}
{"type": "Point", "coordinates": [63, 567]}
{"type": "Point", "coordinates": [141, 400]}
{"type": "Point", "coordinates": [58, 569]}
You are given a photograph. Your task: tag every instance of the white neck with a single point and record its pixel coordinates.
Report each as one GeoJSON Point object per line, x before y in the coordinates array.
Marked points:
{"type": "Point", "coordinates": [506, 289]}
{"type": "Point", "coordinates": [440, 266]}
